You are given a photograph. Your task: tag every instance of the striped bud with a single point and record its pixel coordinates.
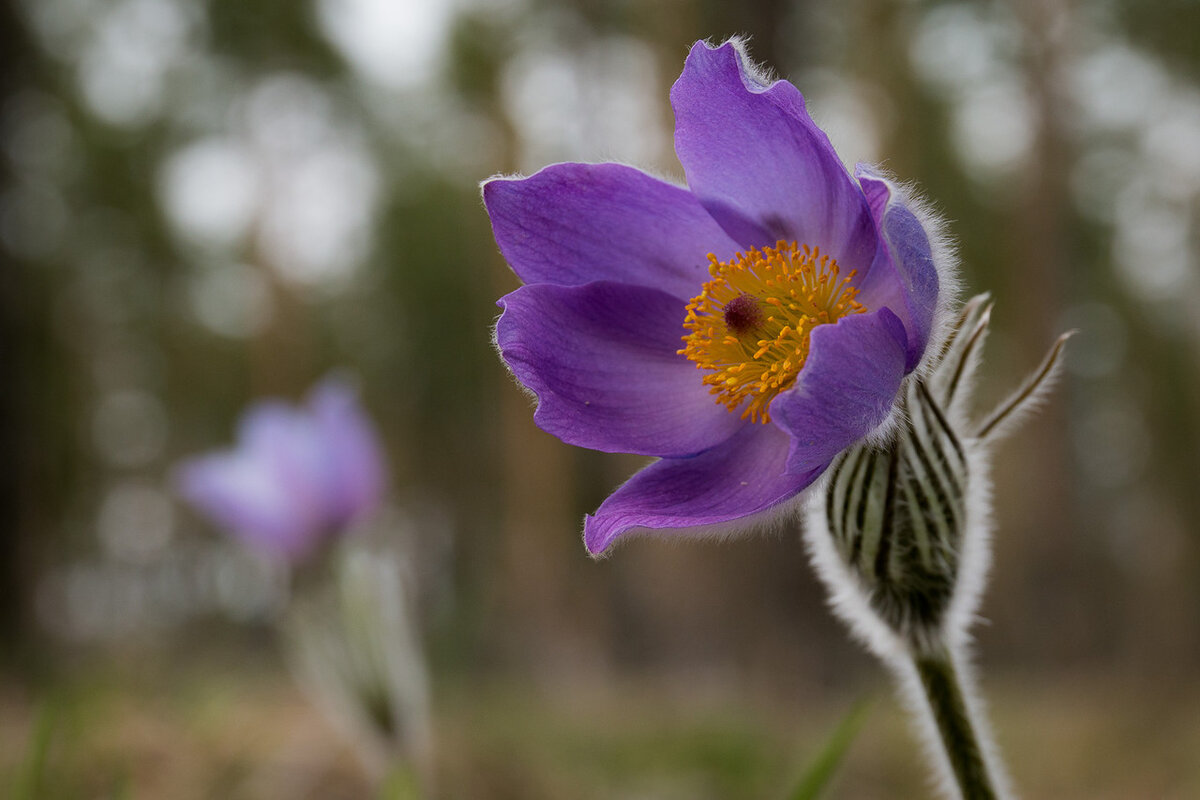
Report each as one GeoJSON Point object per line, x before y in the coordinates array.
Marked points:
{"type": "Point", "coordinates": [899, 535]}
{"type": "Point", "coordinates": [897, 513]}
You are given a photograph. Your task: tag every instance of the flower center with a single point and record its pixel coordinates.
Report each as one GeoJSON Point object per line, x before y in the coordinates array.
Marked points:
{"type": "Point", "coordinates": [750, 324]}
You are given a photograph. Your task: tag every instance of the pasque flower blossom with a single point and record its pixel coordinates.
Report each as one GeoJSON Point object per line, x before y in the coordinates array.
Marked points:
{"type": "Point", "coordinates": [297, 475]}
{"type": "Point", "coordinates": [744, 329]}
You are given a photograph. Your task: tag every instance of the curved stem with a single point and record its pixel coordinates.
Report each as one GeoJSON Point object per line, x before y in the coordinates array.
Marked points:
{"type": "Point", "coordinates": [957, 731]}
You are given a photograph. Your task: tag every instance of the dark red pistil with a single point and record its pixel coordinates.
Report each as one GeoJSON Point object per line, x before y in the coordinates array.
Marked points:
{"type": "Point", "coordinates": [743, 314]}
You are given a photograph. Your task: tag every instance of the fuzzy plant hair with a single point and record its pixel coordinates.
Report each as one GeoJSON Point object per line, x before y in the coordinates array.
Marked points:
{"type": "Point", "coordinates": [899, 532]}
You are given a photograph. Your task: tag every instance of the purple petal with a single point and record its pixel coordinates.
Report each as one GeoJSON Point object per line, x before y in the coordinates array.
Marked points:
{"type": "Point", "coordinates": [760, 165]}
{"type": "Point", "coordinates": [571, 224]}
{"type": "Point", "coordinates": [733, 487]}
{"type": "Point", "coordinates": [355, 471]}
{"type": "Point", "coordinates": [240, 496]}
{"type": "Point", "coordinates": [286, 445]}
{"type": "Point", "coordinates": [295, 477]}
{"type": "Point", "coordinates": [845, 390]}
{"type": "Point", "coordinates": [271, 491]}
{"type": "Point", "coordinates": [602, 359]}
{"type": "Point", "coordinates": [908, 284]}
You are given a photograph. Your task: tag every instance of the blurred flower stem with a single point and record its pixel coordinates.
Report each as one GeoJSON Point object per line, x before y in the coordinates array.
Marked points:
{"type": "Point", "coordinates": [354, 647]}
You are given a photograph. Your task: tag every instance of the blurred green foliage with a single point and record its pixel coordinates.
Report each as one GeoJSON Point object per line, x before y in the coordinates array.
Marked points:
{"type": "Point", "coordinates": [820, 772]}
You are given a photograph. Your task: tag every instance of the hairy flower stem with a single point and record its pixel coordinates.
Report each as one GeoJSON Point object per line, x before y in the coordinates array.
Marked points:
{"type": "Point", "coordinates": [957, 731]}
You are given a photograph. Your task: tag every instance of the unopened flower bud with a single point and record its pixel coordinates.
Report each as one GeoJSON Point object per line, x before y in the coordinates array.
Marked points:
{"type": "Point", "coordinates": [896, 512]}
{"type": "Point", "coordinates": [899, 532]}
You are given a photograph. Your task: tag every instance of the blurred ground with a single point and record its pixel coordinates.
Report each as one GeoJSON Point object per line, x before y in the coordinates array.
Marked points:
{"type": "Point", "coordinates": [206, 728]}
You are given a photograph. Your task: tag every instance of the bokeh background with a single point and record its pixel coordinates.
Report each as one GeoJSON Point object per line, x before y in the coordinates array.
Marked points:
{"type": "Point", "coordinates": [209, 201]}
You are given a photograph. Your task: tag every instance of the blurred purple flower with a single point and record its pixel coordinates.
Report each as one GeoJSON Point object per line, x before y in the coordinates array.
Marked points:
{"type": "Point", "coordinates": [812, 295]}
{"type": "Point", "coordinates": [297, 475]}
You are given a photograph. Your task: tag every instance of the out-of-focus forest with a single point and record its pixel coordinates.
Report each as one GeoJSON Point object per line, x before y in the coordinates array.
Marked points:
{"type": "Point", "coordinates": [205, 202]}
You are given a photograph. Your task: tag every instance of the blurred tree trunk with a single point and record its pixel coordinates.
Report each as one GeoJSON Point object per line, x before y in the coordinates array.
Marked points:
{"type": "Point", "coordinates": [1037, 269]}
{"type": "Point", "coordinates": [281, 361]}
{"type": "Point", "coordinates": [764, 21]}
{"type": "Point", "coordinates": [884, 65]}
{"type": "Point", "coordinates": [26, 483]}
{"type": "Point", "coordinates": [12, 49]}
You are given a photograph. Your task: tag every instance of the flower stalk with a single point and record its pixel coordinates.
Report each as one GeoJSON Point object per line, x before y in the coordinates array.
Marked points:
{"type": "Point", "coordinates": [947, 701]}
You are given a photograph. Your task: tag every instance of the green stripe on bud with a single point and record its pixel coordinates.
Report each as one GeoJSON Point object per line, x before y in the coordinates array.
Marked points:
{"type": "Point", "coordinates": [897, 512]}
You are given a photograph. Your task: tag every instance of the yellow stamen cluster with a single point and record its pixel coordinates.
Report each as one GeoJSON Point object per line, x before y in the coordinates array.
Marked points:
{"type": "Point", "coordinates": [750, 324]}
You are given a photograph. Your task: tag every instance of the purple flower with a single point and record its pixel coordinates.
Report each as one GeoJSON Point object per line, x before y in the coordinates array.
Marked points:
{"type": "Point", "coordinates": [743, 330]}
{"type": "Point", "coordinates": [297, 475]}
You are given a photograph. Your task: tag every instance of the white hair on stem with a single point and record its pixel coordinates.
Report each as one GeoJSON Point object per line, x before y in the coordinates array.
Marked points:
{"type": "Point", "coordinates": [914, 699]}
{"type": "Point", "coordinates": [849, 599]}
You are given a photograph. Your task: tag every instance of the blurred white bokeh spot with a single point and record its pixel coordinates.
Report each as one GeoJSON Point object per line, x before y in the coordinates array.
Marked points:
{"type": "Point", "coordinates": [958, 46]}
{"type": "Point", "coordinates": [123, 66]}
{"type": "Point", "coordinates": [855, 115]}
{"type": "Point", "coordinates": [210, 190]}
{"type": "Point", "coordinates": [596, 102]}
{"type": "Point", "coordinates": [993, 129]}
{"type": "Point", "coordinates": [1117, 87]}
{"type": "Point", "coordinates": [317, 220]}
{"type": "Point", "coordinates": [230, 299]}
{"type": "Point", "coordinates": [288, 113]}
{"type": "Point", "coordinates": [395, 43]}
{"type": "Point", "coordinates": [1171, 143]}
{"type": "Point", "coordinates": [1151, 246]}
{"type": "Point", "coordinates": [136, 521]}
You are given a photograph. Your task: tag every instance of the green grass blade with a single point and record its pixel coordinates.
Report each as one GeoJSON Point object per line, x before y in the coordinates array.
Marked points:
{"type": "Point", "coordinates": [820, 771]}
{"type": "Point", "coordinates": [29, 783]}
